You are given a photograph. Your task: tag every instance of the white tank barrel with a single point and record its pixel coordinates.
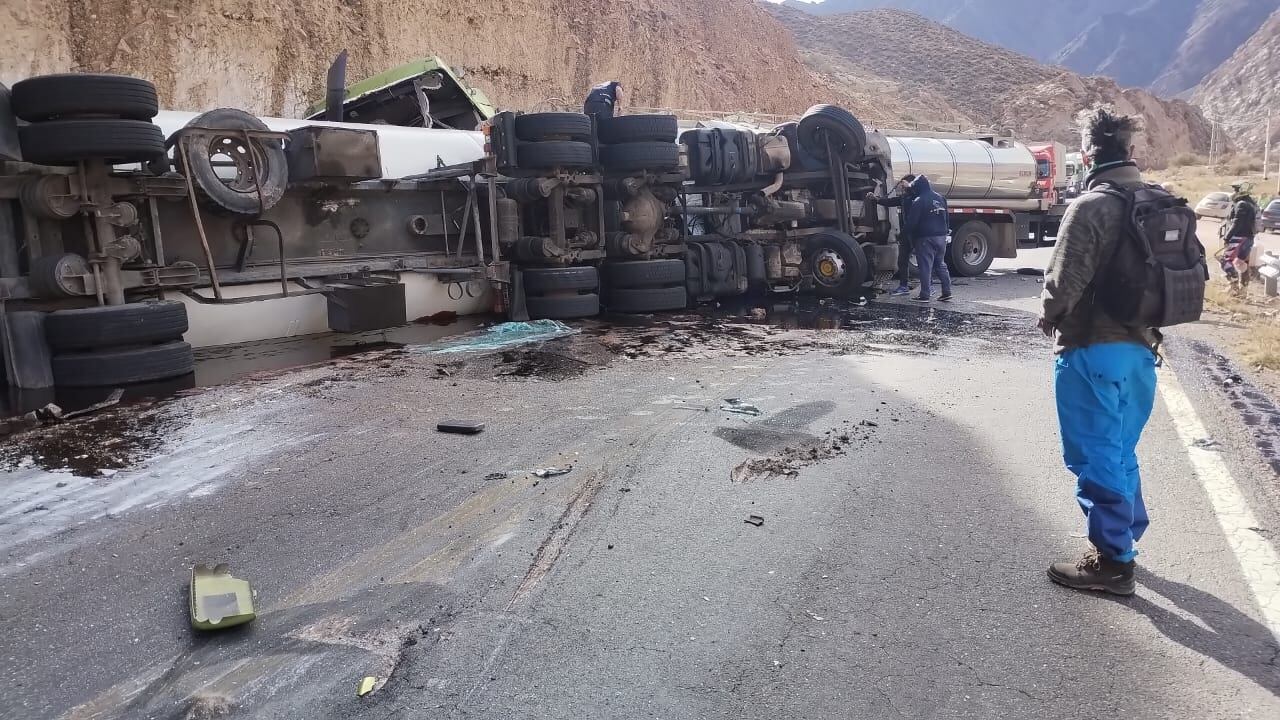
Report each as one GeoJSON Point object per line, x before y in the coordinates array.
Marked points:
{"type": "Point", "coordinates": [967, 168]}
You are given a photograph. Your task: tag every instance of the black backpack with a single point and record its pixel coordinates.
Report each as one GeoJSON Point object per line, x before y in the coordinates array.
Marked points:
{"type": "Point", "coordinates": [1157, 275]}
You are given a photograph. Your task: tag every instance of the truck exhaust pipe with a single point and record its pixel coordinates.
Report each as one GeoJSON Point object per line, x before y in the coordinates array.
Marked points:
{"type": "Point", "coordinates": [336, 89]}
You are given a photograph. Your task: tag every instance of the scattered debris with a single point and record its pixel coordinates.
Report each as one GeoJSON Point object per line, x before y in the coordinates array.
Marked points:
{"type": "Point", "coordinates": [815, 616]}
{"type": "Point", "coordinates": [460, 427]}
{"type": "Point", "coordinates": [552, 471]}
{"type": "Point", "coordinates": [367, 684]}
{"type": "Point", "coordinates": [47, 414]}
{"type": "Point", "coordinates": [734, 405]}
{"type": "Point", "coordinates": [1206, 443]}
{"type": "Point", "coordinates": [787, 461]}
{"type": "Point", "coordinates": [1038, 272]}
{"type": "Point", "coordinates": [756, 520]}
{"type": "Point", "coordinates": [869, 423]}
{"type": "Point", "coordinates": [112, 399]}
{"type": "Point", "coordinates": [495, 476]}
{"type": "Point", "coordinates": [500, 336]}
{"type": "Point", "coordinates": [219, 600]}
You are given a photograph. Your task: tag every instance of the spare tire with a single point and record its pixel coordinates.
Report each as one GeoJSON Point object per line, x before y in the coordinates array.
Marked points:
{"type": "Point", "coordinates": [634, 156]}
{"type": "Point", "coordinates": [535, 127]}
{"type": "Point", "coordinates": [830, 122]}
{"type": "Point", "coordinates": [67, 142]}
{"type": "Point", "coordinates": [71, 95]}
{"type": "Point", "coordinates": [112, 368]}
{"type": "Point", "coordinates": [115, 325]}
{"type": "Point", "coordinates": [238, 194]}
{"type": "Point", "coordinates": [554, 154]}
{"type": "Point", "coordinates": [638, 128]}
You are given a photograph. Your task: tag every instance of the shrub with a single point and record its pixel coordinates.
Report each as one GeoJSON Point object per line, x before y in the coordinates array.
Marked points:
{"type": "Point", "coordinates": [1186, 159]}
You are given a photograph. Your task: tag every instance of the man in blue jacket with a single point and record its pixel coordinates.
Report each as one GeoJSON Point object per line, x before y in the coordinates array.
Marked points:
{"type": "Point", "coordinates": [927, 225]}
{"type": "Point", "coordinates": [902, 200]}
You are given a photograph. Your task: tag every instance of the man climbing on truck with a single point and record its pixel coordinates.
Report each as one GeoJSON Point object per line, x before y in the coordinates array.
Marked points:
{"type": "Point", "coordinates": [604, 100]}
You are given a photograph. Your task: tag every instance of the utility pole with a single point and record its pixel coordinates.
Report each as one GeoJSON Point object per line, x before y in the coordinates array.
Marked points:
{"type": "Point", "coordinates": [1213, 141]}
{"type": "Point", "coordinates": [1266, 147]}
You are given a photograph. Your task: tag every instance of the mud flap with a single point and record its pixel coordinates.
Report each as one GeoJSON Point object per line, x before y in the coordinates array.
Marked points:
{"type": "Point", "coordinates": [518, 309]}
{"type": "Point", "coordinates": [9, 149]}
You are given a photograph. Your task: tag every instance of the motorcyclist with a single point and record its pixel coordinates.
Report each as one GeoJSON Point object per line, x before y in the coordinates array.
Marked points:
{"type": "Point", "coordinates": [1237, 235]}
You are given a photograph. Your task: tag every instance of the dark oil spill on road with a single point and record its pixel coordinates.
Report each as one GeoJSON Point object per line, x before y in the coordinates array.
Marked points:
{"type": "Point", "coordinates": [808, 325]}
{"type": "Point", "coordinates": [1257, 411]}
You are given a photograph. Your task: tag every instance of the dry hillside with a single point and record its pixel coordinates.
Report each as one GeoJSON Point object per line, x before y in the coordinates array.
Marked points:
{"type": "Point", "coordinates": [986, 83]}
{"type": "Point", "coordinates": [270, 56]}
{"type": "Point", "coordinates": [1245, 86]}
{"type": "Point", "coordinates": [1165, 45]}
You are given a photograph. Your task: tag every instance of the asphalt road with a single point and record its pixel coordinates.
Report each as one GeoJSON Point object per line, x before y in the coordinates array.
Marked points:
{"type": "Point", "coordinates": [905, 464]}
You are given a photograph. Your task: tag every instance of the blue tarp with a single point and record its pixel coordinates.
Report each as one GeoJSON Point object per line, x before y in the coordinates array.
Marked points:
{"type": "Point", "coordinates": [499, 337]}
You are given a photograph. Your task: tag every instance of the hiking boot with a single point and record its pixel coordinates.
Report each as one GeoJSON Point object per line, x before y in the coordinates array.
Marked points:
{"type": "Point", "coordinates": [946, 297]}
{"type": "Point", "coordinates": [1095, 572]}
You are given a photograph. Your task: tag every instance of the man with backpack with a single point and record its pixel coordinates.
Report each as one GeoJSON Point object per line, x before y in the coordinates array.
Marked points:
{"type": "Point", "coordinates": [1127, 262]}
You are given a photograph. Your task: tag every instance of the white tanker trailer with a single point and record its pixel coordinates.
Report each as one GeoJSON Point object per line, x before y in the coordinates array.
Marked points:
{"type": "Point", "coordinates": [990, 185]}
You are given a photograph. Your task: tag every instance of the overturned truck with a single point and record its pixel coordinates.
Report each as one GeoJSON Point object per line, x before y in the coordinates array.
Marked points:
{"type": "Point", "coordinates": [129, 235]}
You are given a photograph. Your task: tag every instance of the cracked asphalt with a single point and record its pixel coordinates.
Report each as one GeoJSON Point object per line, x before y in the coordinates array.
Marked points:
{"type": "Point", "coordinates": [906, 465]}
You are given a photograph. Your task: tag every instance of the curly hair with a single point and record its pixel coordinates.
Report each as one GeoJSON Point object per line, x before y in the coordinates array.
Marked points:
{"type": "Point", "coordinates": [1106, 134]}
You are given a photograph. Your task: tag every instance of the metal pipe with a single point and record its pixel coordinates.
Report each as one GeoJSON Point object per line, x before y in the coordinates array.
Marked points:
{"type": "Point", "coordinates": [336, 88]}
{"type": "Point", "coordinates": [475, 215]}
{"type": "Point", "coordinates": [493, 216]}
{"type": "Point", "coordinates": [184, 145]}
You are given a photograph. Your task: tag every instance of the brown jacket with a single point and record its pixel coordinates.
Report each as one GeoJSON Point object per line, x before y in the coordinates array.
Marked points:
{"type": "Point", "coordinates": [1091, 227]}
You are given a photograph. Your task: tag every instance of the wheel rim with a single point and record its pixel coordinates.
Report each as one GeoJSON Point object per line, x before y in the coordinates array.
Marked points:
{"type": "Point", "coordinates": [974, 249]}
{"type": "Point", "coordinates": [230, 151]}
{"type": "Point", "coordinates": [828, 268]}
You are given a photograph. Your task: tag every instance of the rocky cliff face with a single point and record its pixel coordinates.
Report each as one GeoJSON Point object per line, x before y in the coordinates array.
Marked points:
{"type": "Point", "coordinates": [990, 85]}
{"type": "Point", "coordinates": [1165, 45]}
{"type": "Point", "coordinates": [270, 56]}
{"type": "Point", "coordinates": [1245, 87]}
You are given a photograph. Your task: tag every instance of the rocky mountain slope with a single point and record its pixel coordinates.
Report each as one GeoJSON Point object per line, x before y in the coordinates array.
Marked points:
{"type": "Point", "coordinates": [985, 83]}
{"type": "Point", "coordinates": [270, 56]}
{"type": "Point", "coordinates": [1165, 45]}
{"type": "Point", "coordinates": [1245, 86]}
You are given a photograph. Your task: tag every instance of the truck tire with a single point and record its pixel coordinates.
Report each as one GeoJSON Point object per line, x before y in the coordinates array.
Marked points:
{"type": "Point", "coordinates": [123, 366]}
{"type": "Point", "coordinates": [969, 254]}
{"type": "Point", "coordinates": [72, 95]}
{"type": "Point", "coordinates": [541, 281]}
{"type": "Point", "coordinates": [837, 265]}
{"type": "Point", "coordinates": [634, 156]}
{"type": "Point", "coordinates": [644, 273]}
{"type": "Point", "coordinates": [115, 325]}
{"type": "Point", "coordinates": [66, 142]}
{"type": "Point", "coordinates": [238, 195]}
{"type": "Point", "coordinates": [536, 127]}
{"type": "Point", "coordinates": [643, 300]}
{"type": "Point", "coordinates": [562, 307]}
{"type": "Point", "coordinates": [554, 154]}
{"type": "Point", "coordinates": [823, 122]}
{"type": "Point", "coordinates": [638, 128]}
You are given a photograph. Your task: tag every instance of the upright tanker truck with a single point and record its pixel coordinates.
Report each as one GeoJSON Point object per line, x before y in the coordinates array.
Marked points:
{"type": "Point", "coordinates": [129, 235]}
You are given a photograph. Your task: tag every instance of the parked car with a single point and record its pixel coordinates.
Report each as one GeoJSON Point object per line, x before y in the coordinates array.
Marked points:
{"type": "Point", "coordinates": [1214, 205]}
{"type": "Point", "coordinates": [1270, 218]}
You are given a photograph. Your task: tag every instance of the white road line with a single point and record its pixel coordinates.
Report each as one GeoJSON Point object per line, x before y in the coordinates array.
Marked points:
{"type": "Point", "coordinates": [1258, 559]}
